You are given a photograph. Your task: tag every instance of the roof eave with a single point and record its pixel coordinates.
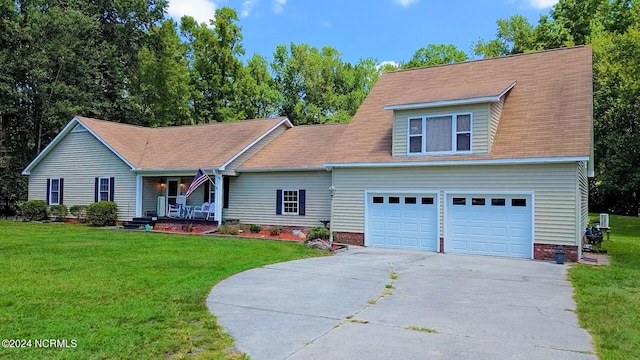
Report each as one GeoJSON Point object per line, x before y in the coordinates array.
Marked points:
{"type": "Point", "coordinates": [283, 168]}
{"type": "Point", "coordinates": [65, 130]}
{"type": "Point", "coordinates": [508, 161]}
{"type": "Point", "coordinates": [246, 148]}
{"type": "Point", "coordinates": [468, 101]}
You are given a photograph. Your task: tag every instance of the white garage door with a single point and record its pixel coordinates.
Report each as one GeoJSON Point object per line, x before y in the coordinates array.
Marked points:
{"type": "Point", "coordinates": [489, 225]}
{"type": "Point", "coordinates": [402, 221]}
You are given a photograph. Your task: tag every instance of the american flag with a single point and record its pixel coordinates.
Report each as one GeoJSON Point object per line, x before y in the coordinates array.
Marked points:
{"type": "Point", "coordinates": [198, 180]}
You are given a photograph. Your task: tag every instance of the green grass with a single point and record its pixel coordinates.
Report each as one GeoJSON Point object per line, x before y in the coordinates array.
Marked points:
{"type": "Point", "coordinates": [608, 297]}
{"type": "Point", "coordinates": [120, 295]}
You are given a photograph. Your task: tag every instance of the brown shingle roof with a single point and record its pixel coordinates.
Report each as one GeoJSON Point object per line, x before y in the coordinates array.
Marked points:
{"type": "Point", "coordinates": [547, 114]}
{"type": "Point", "coordinates": [300, 146]}
{"type": "Point", "coordinates": [180, 147]}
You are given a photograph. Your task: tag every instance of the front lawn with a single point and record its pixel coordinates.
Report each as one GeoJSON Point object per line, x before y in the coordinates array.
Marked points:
{"type": "Point", "coordinates": [119, 294]}
{"type": "Point", "coordinates": [608, 297]}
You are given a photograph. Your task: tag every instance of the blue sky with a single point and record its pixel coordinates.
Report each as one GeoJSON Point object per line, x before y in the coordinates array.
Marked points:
{"type": "Point", "coordinates": [387, 30]}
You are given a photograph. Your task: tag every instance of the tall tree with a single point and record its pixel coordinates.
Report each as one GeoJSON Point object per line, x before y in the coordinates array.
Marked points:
{"type": "Point", "coordinates": [216, 68]}
{"type": "Point", "coordinates": [436, 54]}
{"type": "Point", "coordinates": [261, 96]}
{"type": "Point", "coordinates": [162, 89]}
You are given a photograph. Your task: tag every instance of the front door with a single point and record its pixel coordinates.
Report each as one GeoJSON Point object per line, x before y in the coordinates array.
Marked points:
{"type": "Point", "coordinates": [173, 190]}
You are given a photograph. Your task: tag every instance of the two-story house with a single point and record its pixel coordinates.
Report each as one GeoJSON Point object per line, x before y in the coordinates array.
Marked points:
{"type": "Point", "coordinates": [484, 157]}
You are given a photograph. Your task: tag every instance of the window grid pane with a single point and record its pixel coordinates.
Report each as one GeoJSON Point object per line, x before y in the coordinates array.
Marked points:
{"type": "Point", "coordinates": [415, 126]}
{"type": "Point", "coordinates": [104, 190]}
{"type": "Point", "coordinates": [55, 185]}
{"type": "Point", "coordinates": [415, 144]}
{"type": "Point", "coordinates": [290, 201]}
{"type": "Point", "coordinates": [463, 142]}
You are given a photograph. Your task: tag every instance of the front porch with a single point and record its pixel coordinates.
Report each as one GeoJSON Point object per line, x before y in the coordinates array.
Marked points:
{"type": "Point", "coordinates": [162, 197]}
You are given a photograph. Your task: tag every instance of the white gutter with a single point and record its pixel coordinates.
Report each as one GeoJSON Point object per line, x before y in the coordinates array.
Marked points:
{"type": "Point", "coordinates": [291, 168]}
{"type": "Point", "coordinates": [554, 160]}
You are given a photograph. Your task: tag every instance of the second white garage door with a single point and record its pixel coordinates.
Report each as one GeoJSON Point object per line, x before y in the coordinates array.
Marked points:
{"type": "Point", "coordinates": [497, 225]}
{"type": "Point", "coordinates": [404, 221]}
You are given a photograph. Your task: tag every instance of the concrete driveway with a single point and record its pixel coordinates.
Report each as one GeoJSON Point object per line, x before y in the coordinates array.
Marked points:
{"type": "Point", "coordinates": [440, 306]}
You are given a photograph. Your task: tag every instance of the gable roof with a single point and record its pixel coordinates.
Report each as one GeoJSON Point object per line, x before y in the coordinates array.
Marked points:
{"type": "Point", "coordinates": [301, 147]}
{"type": "Point", "coordinates": [547, 114]}
{"type": "Point", "coordinates": [171, 148]}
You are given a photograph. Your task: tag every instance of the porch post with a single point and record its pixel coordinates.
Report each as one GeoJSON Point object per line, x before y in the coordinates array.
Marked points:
{"type": "Point", "coordinates": [217, 216]}
{"type": "Point", "coordinates": [139, 196]}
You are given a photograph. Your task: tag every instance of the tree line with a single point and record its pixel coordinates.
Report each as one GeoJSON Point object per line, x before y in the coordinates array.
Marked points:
{"type": "Point", "coordinates": [126, 61]}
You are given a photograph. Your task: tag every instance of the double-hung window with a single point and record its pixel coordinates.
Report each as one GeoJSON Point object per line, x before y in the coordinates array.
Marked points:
{"type": "Point", "coordinates": [439, 134]}
{"type": "Point", "coordinates": [104, 189]}
{"type": "Point", "coordinates": [290, 202]}
{"type": "Point", "coordinates": [54, 192]}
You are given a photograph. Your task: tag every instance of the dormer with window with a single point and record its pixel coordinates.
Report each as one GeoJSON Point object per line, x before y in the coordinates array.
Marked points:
{"type": "Point", "coordinates": [447, 127]}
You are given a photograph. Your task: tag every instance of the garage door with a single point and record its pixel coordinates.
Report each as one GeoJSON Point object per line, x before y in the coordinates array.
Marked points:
{"type": "Point", "coordinates": [402, 221]}
{"type": "Point", "coordinates": [489, 225]}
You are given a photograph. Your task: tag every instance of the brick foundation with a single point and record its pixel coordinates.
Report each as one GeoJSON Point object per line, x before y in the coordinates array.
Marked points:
{"type": "Point", "coordinates": [442, 245]}
{"type": "Point", "coordinates": [349, 238]}
{"type": "Point", "coordinates": [547, 252]}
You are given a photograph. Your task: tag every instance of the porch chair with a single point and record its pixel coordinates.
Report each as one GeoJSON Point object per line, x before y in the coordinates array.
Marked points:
{"type": "Point", "coordinates": [178, 209]}
{"type": "Point", "coordinates": [203, 209]}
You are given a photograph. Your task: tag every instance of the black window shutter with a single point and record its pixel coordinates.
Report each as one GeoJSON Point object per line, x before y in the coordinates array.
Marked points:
{"type": "Point", "coordinates": [225, 200]}
{"type": "Point", "coordinates": [111, 189]}
{"type": "Point", "coordinates": [48, 190]}
{"type": "Point", "coordinates": [279, 202]}
{"type": "Point", "coordinates": [95, 190]}
{"type": "Point", "coordinates": [302, 201]}
{"type": "Point", "coordinates": [61, 189]}
{"type": "Point", "coordinates": [206, 192]}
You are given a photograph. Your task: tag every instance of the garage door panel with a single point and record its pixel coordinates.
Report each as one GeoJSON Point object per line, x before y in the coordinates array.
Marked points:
{"type": "Point", "coordinates": [402, 221]}
{"type": "Point", "coordinates": [493, 226]}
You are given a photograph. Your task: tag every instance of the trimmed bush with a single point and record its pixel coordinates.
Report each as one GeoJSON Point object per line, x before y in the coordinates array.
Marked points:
{"type": "Point", "coordinates": [102, 213]}
{"type": "Point", "coordinates": [59, 212]}
{"type": "Point", "coordinates": [79, 211]}
{"type": "Point", "coordinates": [34, 210]}
{"type": "Point", "coordinates": [318, 232]}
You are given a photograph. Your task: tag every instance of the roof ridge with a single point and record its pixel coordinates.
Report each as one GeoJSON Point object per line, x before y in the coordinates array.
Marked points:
{"type": "Point", "coordinates": [280, 118]}
{"type": "Point", "coordinates": [488, 59]}
{"type": "Point", "coordinates": [111, 122]}
{"type": "Point", "coordinates": [318, 125]}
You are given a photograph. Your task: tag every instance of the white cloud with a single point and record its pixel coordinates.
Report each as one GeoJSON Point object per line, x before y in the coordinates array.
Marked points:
{"type": "Point", "coordinates": [247, 6]}
{"type": "Point", "coordinates": [326, 24]}
{"type": "Point", "coordinates": [542, 4]}
{"type": "Point", "coordinates": [278, 6]}
{"type": "Point", "coordinates": [405, 3]}
{"type": "Point", "coordinates": [201, 10]}
{"type": "Point", "coordinates": [389, 63]}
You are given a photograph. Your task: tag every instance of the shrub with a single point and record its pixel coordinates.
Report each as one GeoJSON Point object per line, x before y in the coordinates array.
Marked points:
{"type": "Point", "coordinates": [34, 210]}
{"type": "Point", "coordinates": [59, 212]}
{"type": "Point", "coordinates": [318, 232]}
{"type": "Point", "coordinates": [274, 230]}
{"type": "Point", "coordinates": [79, 211]}
{"type": "Point", "coordinates": [102, 213]}
{"type": "Point", "coordinates": [227, 230]}
{"type": "Point", "coordinates": [254, 228]}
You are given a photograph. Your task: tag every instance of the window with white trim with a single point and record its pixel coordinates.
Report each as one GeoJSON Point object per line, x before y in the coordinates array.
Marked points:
{"type": "Point", "coordinates": [439, 134]}
{"type": "Point", "coordinates": [290, 202]}
{"type": "Point", "coordinates": [54, 192]}
{"type": "Point", "coordinates": [103, 189]}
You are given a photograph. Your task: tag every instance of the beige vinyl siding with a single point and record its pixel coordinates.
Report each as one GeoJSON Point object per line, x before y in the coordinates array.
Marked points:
{"type": "Point", "coordinates": [252, 197]}
{"type": "Point", "coordinates": [495, 110]}
{"type": "Point", "coordinates": [554, 188]}
{"type": "Point", "coordinates": [479, 130]}
{"type": "Point", "coordinates": [79, 158]}
{"type": "Point", "coordinates": [257, 147]}
{"type": "Point", "coordinates": [583, 186]}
